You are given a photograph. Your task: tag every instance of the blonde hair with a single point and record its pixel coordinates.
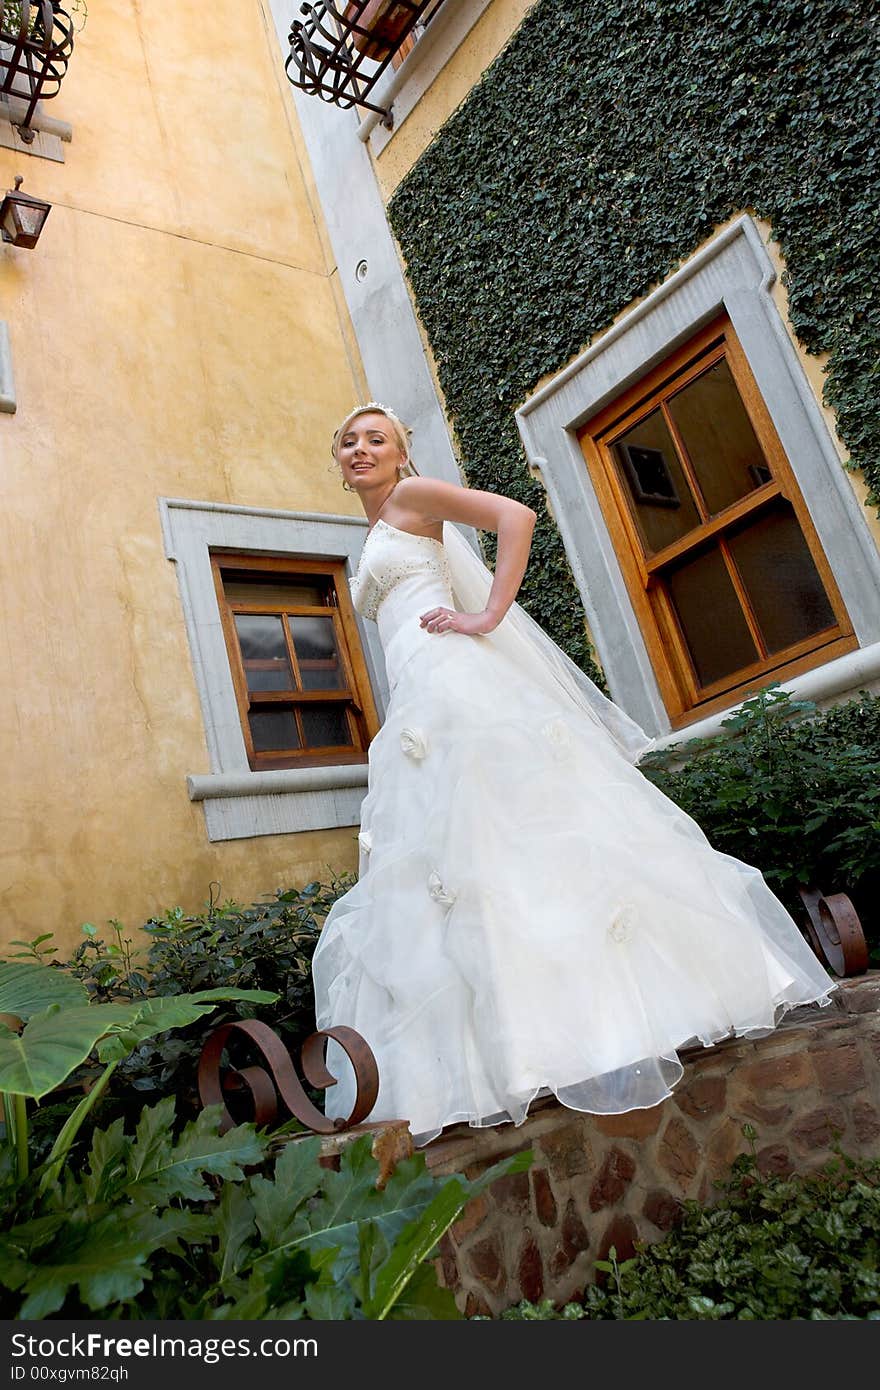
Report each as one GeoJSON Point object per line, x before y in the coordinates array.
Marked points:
{"type": "Point", "coordinates": [402, 433]}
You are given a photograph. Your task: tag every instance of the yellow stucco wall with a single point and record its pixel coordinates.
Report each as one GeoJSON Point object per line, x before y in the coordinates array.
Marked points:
{"type": "Point", "coordinates": [496, 25]}
{"type": "Point", "coordinates": [177, 331]}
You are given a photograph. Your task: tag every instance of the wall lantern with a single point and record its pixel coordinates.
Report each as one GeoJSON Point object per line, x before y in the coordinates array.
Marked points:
{"type": "Point", "coordinates": [22, 217]}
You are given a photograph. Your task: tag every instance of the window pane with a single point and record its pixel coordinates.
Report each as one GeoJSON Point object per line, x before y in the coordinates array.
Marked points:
{"type": "Point", "coordinates": [659, 496]}
{"type": "Point", "coordinates": [719, 439]}
{"type": "Point", "coordinates": [325, 726]}
{"type": "Point", "coordinates": [263, 652]}
{"type": "Point", "coordinates": [302, 591]}
{"type": "Point", "coordinates": [273, 729]}
{"type": "Point", "coordinates": [712, 620]}
{"type": "Point", "coordinates": [783, 583]}
{"type": "Point", "coordinates": [314, 641]}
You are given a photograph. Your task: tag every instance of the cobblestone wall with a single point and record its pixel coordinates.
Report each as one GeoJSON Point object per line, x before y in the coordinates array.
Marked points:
{"type": "Point", "coordinates": [597, 1182]}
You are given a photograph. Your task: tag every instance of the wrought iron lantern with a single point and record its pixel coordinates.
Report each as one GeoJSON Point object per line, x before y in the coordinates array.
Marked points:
{"type": "Point", "coordinates": [22, 217]}
{"type": "Point", "coordinates": [339, 50]}
{"type": "Point", "coordinates": [36, 41]}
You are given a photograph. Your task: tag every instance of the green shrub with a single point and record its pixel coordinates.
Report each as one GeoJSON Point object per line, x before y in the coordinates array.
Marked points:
{"type": "Point", "coordinates": [793, 791]}
{"type": "Point", "coordinates": [805, 1246]}
{"type": "Point", "coordinates": [267, 946]}
{"type": "Point", "coordinates": [158, 1224]}
{"type": "Point", "coordinates": [48, 1027]}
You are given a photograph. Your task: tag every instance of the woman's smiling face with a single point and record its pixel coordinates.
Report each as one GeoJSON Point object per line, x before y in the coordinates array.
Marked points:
{"type": "Point", "coordinates": [368, 452]}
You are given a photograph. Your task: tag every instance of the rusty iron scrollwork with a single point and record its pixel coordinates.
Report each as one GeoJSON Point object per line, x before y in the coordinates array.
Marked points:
{"type": "Point", "coordinates": [278, 1077]}
{"type": "Point", "coordinates": [833, 929]}
{"type": "Point", "coordinates": [341, 48]}
{"type": "Point", "coordinates": [36, 43]}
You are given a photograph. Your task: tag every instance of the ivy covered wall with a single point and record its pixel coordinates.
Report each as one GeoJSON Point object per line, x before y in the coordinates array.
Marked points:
{"type": "Point", "coordinates": [599, 150]}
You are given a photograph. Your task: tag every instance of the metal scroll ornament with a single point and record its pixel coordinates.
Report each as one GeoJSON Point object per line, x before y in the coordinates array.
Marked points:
{"type": "Point", "coordinates": [833, 929]}
{"type": "Point", "coordinates": [278, 1078]}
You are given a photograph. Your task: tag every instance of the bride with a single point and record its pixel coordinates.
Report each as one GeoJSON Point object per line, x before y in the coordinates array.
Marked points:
{"type": "Point", "coordinates": [532, 915]}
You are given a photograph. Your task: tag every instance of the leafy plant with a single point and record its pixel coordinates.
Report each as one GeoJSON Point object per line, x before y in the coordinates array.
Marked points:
{"type": "Point", "coordinates": [805, 1246]}
{"type": "Point", "coordinates": [267, 946]}
{"type": "Point", "coordinates": [61, 1028]}
{"type": "Point", "coordinates": [157, 1225]}
{"type": "Point", "coordinates": [792, 790]}
{"type": "Point", "coordinates": [12, 14]}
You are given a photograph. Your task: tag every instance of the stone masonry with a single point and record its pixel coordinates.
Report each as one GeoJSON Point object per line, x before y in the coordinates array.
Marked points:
{"type": "Point", "coordinates": [601, 1181]}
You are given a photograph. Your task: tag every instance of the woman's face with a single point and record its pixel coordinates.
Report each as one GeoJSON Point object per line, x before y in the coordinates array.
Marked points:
{"type": "Point", "coordinates": [368, 453]}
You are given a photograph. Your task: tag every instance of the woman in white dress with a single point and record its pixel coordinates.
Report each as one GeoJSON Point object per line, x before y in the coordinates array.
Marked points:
{"type": "Point", "coordinates": [532, 915]}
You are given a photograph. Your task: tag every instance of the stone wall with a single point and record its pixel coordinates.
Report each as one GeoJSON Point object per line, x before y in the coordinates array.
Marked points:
{"type": "Point", "coordinates": [597, 1182]}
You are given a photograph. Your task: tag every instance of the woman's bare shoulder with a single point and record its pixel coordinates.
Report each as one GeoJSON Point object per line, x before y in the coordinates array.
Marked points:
{"type": "Point", "coordinates": [432, 500]}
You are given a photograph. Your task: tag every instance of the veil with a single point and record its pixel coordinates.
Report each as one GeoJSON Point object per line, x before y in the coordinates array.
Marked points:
{"type": "Point", "coordinates": [526, 644]}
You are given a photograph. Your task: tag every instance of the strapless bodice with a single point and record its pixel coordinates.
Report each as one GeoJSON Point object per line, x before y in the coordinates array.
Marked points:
{"type": "Point", "coordinates": [399, 577]}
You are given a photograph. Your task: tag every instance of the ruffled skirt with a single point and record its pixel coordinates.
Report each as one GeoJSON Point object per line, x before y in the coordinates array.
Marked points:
{"type": "Point", "coordinates": [532, 915]}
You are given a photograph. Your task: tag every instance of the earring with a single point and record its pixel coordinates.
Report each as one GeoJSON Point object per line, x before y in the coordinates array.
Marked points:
{"type": "Point", "coordinates": [402, 470]}
{"type": "Point", "coordinates": [347, 486]}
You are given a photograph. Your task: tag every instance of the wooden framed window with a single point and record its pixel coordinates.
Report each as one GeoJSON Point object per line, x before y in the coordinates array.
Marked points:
{"type": "Point", "coordinates": [723, 567]}
{"type": "Point", "coordinates": [299, 674]}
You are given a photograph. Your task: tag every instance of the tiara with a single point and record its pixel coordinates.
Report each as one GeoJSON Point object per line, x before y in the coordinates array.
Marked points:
{"type": "Point", "coordinates": [372, 405]}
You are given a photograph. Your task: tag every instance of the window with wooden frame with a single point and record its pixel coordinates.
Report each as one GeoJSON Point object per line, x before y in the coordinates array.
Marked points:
{"type": "Point", "coordinates": [720, 558]}
{"type": "Point", "coordinates": [299, 674]}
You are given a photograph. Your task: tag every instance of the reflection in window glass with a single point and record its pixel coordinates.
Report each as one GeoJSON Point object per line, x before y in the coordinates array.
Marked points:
{"type": "Point", "coordinates": [273, 729]}
{"type": "Point", "coordinates": [317, 654]}
{"type": "Point", "coordinates": [659, 496]}
{"type": "Point", "coordinates": [782, 581]}
{"type": "Point", "coordinates": [263, 652]}
{"type": "Point", "coordinates": [264, 590]}
{"type": "Point", "coordinates": [717, 433]}
{"type": "Point", "coordinates": [715, 630]}
{"type": "Point", "coordinates": [325, 726]}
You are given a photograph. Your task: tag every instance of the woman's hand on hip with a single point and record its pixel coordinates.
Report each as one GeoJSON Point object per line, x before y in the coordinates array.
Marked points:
{"type": "Point", "coordinates": [448, 620]}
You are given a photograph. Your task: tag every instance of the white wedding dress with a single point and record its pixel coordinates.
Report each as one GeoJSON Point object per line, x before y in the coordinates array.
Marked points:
{"type": "Point", "coordinates": [532, 915]}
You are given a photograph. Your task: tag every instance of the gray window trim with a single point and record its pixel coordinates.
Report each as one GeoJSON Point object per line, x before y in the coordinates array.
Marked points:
{"type": "Point", "coordinates": [735, 273]}
{"type": "Point", "coordinates": [8, 401]}
{"type": "Point", "coordinates": [240, 803]}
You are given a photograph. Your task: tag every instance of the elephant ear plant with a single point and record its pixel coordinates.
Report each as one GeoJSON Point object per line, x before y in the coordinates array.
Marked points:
{"type": "Point", "coordinates": [48, 1028]}
{"type": "Point", "coordinates": [164, 1223]}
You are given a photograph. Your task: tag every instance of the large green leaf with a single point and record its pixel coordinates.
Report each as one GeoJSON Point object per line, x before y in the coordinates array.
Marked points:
{"type": "Point", "coordinates": [277, 1201]}
{"type": "Point", "coordinates": [106, 1162]}
{"type": "Point", "coordinates": [235, 1228]}
{"type": "Point", "coordinates": [27, 988]}
{"type": "Point", "coordinates": [423, 1300]}
{"type": "Point", "coordinates": [160, 1169]}
{"type": "Point", "coordinates": [54, 1043]}
{"type": "Point", "coordinates": [105, 1257]}
{"type": "Point", "coordinates": [418, 1239]}
{"type": "Point", "coordinates": [173, 1011]}
{"type": "Point", "coordinates": [413, 1210]}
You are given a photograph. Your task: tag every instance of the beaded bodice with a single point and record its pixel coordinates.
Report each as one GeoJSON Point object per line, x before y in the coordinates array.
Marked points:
{"type": "Point", "coordinates": [390, 557]}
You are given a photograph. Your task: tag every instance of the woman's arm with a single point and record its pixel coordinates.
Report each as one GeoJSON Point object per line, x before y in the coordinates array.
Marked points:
{"type": "Point", "coordinates": [426, 500]}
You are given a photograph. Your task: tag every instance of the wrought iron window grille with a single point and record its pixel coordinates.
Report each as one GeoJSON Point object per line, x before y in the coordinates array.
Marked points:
{"type": "Point", "coordinates": [340, 50]}
{"type": "Point", "coordinates": [36, 41]}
